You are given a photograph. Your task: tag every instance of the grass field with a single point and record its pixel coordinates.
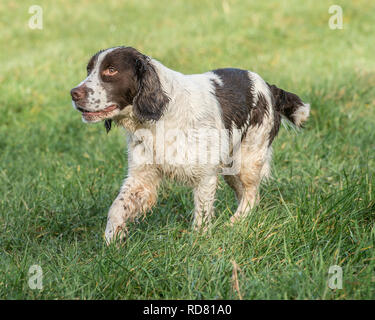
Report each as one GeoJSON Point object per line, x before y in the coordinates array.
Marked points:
{"type": "Point", "coordinates": [58, 176]}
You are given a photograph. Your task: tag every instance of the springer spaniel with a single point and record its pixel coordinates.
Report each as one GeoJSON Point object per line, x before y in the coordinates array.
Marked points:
{"type": "Point", "coordinates": [191, 128]}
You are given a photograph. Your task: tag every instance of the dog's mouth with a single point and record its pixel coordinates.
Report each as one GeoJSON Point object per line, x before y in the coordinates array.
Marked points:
{"type": "Point", "coordinates": [91, 116]}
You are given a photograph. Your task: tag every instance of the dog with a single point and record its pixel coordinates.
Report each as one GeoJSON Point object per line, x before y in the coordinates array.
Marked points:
{"type": "Point", "coordinates": [166, 112]}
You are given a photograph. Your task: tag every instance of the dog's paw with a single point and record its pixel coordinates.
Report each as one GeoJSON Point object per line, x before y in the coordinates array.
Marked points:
{"type": "Point", "coordinates": [201, 228]}
{"type": "Point", "coordinates": [114, 232]}
{"type": "Point", "coordinates": [234, 220]}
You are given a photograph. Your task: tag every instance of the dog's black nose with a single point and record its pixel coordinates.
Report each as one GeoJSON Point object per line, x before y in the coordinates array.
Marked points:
{"type": "Point", "coordinates": [78, 93]}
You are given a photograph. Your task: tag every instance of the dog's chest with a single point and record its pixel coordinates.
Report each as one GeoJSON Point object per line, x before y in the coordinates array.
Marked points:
{"type": "Point", "coordinates": [174, 154]}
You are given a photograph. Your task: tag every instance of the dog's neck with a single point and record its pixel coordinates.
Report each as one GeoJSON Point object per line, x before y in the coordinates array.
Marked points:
{"type": "Point", "coordinates": [128, 120]}
{"type": "Point", "coordinates": [169, 79]}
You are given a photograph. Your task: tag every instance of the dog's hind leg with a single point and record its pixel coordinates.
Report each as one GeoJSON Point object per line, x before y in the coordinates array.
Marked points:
{"type": "Point", "coordinates": [255, 165]}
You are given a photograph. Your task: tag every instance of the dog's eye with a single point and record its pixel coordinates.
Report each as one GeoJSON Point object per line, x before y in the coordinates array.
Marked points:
{"type": "Point", "coordinates": [111, 71]}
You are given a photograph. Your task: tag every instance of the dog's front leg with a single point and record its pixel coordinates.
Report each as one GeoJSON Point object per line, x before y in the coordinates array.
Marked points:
{"type": "Point", "coordinates": [204, 198]}
{"type": "Point", "coordinates": [137, 195]}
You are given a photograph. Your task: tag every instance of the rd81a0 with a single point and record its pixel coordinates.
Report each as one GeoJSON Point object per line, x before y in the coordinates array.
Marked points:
{"type": "Point", "coordinates": [209, 309]}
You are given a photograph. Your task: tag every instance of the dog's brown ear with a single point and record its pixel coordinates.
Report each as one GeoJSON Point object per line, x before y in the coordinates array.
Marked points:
{"type": "Point", "coordinates": [150, 100]}
{"type": "Point", "coordinates": [108, 125]}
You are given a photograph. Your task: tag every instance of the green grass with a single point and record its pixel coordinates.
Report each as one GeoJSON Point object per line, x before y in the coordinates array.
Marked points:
{"type": "Point", "coordinates": [58, 176]}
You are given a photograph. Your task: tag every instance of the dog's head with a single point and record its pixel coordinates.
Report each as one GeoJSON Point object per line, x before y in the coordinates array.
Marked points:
{"type": "Point", "coordinates": [118, 78]}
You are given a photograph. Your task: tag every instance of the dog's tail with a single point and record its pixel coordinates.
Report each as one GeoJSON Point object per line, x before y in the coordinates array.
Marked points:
{"type": "Point", "coordinates": [290, 105]}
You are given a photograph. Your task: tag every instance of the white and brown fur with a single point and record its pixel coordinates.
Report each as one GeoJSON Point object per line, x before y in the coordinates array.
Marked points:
{"type": "Point", "coordinates": [145, 92]}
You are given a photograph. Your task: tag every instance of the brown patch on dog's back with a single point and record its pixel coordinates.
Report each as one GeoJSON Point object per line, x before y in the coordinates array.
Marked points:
{"type": "Point", "coordinates": [259, 110]}
{"type": "Point", "coordinates": [234, 96]}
